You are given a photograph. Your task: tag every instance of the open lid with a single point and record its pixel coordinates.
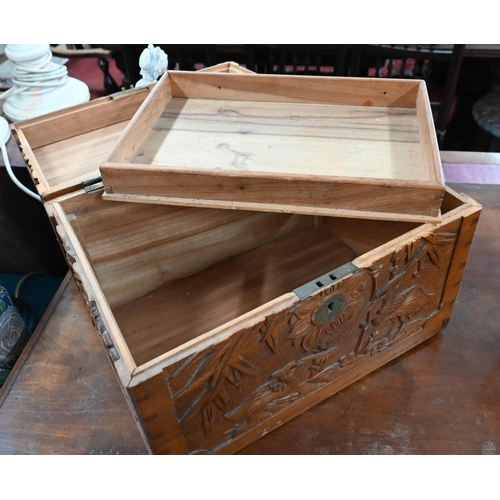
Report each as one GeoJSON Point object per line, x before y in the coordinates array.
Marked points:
{"type": "Point", "coordinates": [355, 147]}
{"type": "Point", "coordinates": [64, 149]}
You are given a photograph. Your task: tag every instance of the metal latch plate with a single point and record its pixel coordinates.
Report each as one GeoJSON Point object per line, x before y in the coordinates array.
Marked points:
{"type": "Point", "coordinates": [325, 280]}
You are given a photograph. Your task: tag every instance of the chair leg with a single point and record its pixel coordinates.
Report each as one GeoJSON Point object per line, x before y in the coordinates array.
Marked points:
{"type": "Point", "coordinates": [449, 91]}
{"type": "Point", "coordinates": [109, 83]}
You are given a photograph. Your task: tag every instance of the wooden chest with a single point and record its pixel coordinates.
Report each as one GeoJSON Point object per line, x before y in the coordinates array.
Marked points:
{"type": "Point", "coordinates": [222, 324]}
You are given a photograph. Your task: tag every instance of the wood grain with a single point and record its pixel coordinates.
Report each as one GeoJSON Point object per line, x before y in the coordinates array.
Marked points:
{"type": "Point", "coordinates": [141, 123]}
{"type": "Point", "coordinates": [77, 120]}
{"type": "Point", "coordinates": [65, 148]}
{"type": "Point", "coordinates": [288, 138]}
{"type": "Point", "coordinates": [135, 249]}
{"type": "Point", "coordinates": [63, 397]}
{"type": "Point", "coordinates": [307, 194]}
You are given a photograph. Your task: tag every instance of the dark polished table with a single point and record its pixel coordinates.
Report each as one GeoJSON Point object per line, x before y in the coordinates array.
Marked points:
{"type": "Point", "coordinates": [442, 397]}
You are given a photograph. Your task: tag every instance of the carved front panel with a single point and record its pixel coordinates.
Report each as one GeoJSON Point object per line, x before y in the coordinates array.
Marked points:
{"type": "Point", "coordinates": [227, 389]}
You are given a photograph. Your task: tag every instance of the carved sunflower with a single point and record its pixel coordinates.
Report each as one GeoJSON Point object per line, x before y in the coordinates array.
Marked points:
{"type": "Point", "coordinates": [311, 323]}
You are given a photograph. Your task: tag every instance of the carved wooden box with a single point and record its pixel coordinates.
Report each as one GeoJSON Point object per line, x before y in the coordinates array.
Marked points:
{"type": "Point", "coordinates": [224, 324]}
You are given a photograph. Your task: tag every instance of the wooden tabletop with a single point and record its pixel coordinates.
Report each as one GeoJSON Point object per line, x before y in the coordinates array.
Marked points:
{"type": "Point", "coordinates": [442, 397]}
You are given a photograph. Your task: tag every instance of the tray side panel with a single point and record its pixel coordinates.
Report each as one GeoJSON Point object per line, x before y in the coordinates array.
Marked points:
{"type": "Point", "coordinates": [231, 393]}
{"type": "Point", "coordinates": [428, 139]}
{"type": "Point", "coordinates": [262, 191]}
{"type": "Point", "coordinates": [290, 88]}
{"type": "Point", "coordinates": [142, 122]}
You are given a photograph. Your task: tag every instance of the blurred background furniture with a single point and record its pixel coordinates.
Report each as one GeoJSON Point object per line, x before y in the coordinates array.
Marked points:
{"type": "Point", "coordinates": [322, 60]}
{"type": "Point", "coordinates": [89, 58]}
{"type": "Point", "coordinates": [456, 75]}
{"type": "Point", "coordinates": [438, 66]}
{"type": "Point", "coordinates": [486, 113]}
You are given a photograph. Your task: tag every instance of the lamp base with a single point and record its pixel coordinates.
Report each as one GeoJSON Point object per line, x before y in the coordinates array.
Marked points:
{"type": "Point", "coordinates": [30, 104]}
{"type": "Point", "coordinates": [40, 85]}
{"type": "Point", "coordinates": [4, 131]}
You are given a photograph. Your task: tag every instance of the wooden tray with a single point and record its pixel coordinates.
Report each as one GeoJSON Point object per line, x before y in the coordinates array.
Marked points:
{"type": "Point", "coordinates": [350, 147]}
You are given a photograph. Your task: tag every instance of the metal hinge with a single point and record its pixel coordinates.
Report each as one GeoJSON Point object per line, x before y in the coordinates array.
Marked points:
{"type": "Point", "coordinates": [325, 280]}
{"type": "Point", "coordinates": [93, 184]}
{"type": "Point", "coordinates": [126, 92]}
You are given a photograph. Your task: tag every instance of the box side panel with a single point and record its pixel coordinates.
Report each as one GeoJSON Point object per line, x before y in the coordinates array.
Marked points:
{"type": "Point", "coordinates": [92, 294]}
{"type": "Point", "coordinates": [466, 223]}
{"type": "Point", "coordinates": [158, 416]}
{"type": "Point", "coordinates": [229, 394]}
{"type": "Point", "coordinates": [457, 268]}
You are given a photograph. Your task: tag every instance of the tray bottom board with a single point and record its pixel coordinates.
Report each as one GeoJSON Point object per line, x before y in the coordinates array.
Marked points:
{"type": "Point", "coordinates": [287, 138]}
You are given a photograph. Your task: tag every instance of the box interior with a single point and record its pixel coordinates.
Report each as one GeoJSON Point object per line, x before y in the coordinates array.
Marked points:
{"type": "Point", "coordinates": [171, 274]}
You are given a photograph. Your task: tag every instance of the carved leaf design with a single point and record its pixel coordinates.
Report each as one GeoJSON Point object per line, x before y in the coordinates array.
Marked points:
{"type": "Point", "coordinates": [404, 306]}
{"type": "Point", "coordinates": [231, 366]}
{"type": "Point", "coordinates": [243, 365]}
{"type": "Point", "coordinates": [441, 239]}
{"type": "Point", "coordinates": [436, 240]}
{"type": "Point", "coordinates": [272, 396]}
{"type": "Point", "coordinates": [270, 335]}
{"type": "Point", "coordinates": [302, 330]}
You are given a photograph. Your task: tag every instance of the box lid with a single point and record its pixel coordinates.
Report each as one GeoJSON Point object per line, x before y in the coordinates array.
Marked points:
{"type": "Point", "coordinates": [64, 149]}
{"type": "Point", "coordinates": [355, 147]}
